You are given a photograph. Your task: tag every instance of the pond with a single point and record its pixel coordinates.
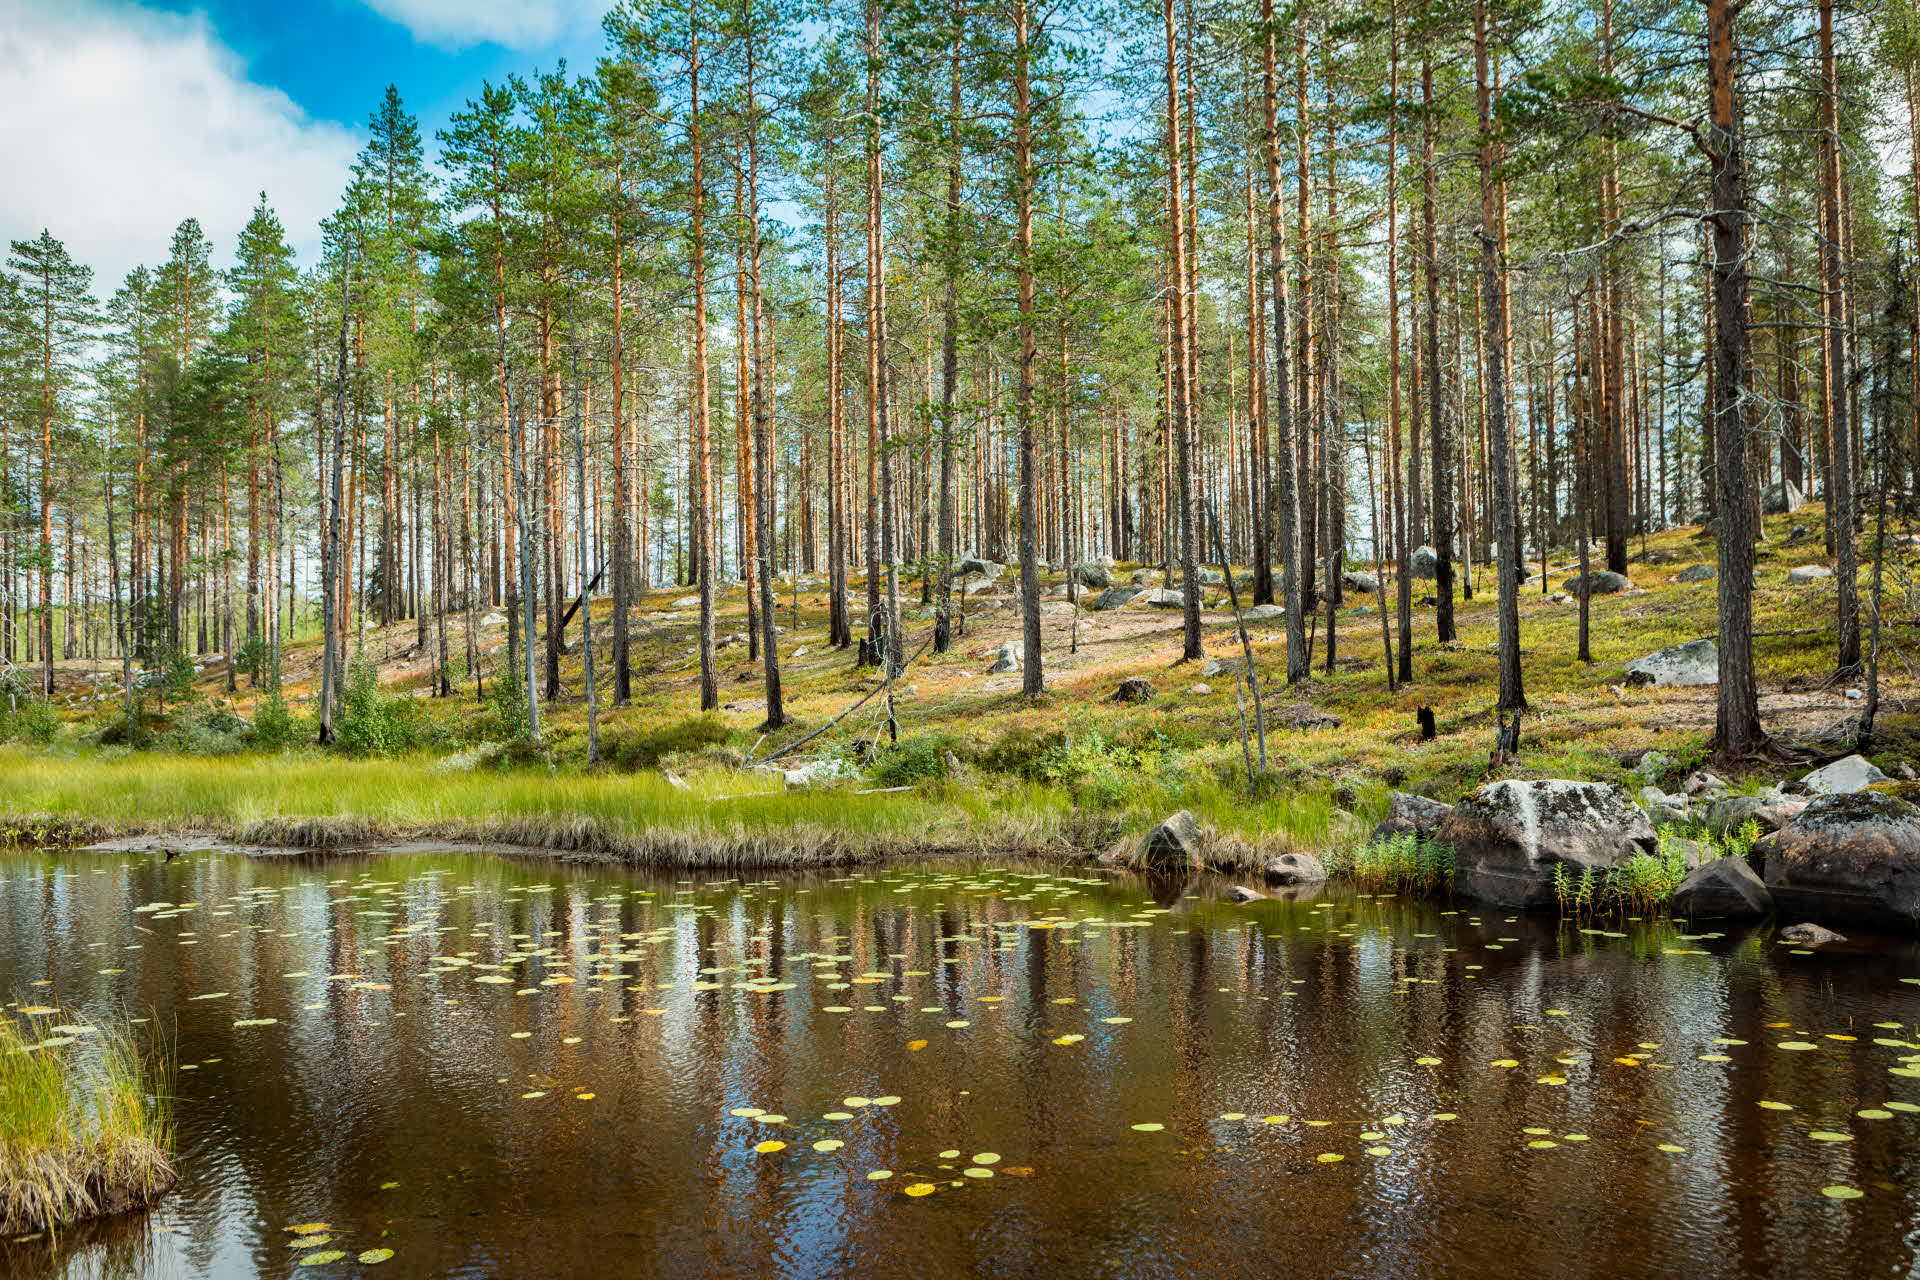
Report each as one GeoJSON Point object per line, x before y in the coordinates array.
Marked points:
{"type": "Point", "coordinates": [502, 1067]}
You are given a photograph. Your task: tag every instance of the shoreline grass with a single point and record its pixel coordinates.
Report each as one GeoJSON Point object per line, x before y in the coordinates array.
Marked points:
{"type": "Point", "coordinates": [85, 1123]}
{"type": "Point", "coordinates": [717, 818]}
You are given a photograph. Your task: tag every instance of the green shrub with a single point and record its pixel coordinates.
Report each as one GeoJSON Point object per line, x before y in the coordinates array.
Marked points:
{"type": "Point", "coordinates": [205, 731]}
{"type": "Point", "coordinates": [171, 672]}
{"type": "Point", "coordinates": [922, 757]}
{"type": "Point", "coordinates": [274, 725]}
{"type": "Point", "coordinates": [371, 723]}
{"type": "Point", "coordinates": [34, 720]}
{"type": "Point", "coordinates": [252, 658]}
{"type": "Point", "coordinates": [649, 748]}
{"type": "Point", "coordinates": [507, 707]}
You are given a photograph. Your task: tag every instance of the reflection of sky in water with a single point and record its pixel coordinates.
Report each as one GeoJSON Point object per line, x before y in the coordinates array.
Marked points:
{"type": "Point", "coordinates": [389, 1063]}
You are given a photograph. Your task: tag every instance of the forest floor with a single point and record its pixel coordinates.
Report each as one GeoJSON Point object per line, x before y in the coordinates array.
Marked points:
{"type": "Point", "coordinates": [1335, 742]}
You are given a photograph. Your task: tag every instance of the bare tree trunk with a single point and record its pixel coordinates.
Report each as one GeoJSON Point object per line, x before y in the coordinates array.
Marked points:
{"type": "Point", "coordinates": [839, 627]}
{"type": "Point", "coordinates": [1737, 730]}
{"type": "Point", "coordinates": [762, 409]}
{"type": "Point", "coordinates": [882, 628]}
{"type": "Point", "coordinates": [1493, 289]}
{"type": "Point", "coordinates": [1180, 424]}
{"type": "Point", "coordinates": [949, 352]}
{"type": "Point", "coordinates": [702, 411]}
{"type": "Point", "coordinates": [1842, 501]}
{"type": "Point", "coordinates": [330, 649]}
{"type": "Point", "coordinates": [1443, 478]}
{"type": "Point", "coordinates": [1033, 678]}
{"type": "Point", "coordinates": [1285, 449]}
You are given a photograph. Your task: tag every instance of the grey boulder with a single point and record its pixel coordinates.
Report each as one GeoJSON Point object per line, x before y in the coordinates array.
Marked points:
{"type": "Point", "coordinates": [1696, 573]}
{"type": "Point", "coordinates": [1425, 562]}
{"type": "Point", "coordinates": [1174, 845]}
{"type": "Point", "coordinates": [1411, 815]}
{"type": "Point", "coordinates": [1781, 498]}
{"type": "Point", "coordinates": [1801, 575]}
{"type": "Point", "coordinates": [976, 567]}
{"type": "Point", "coordinates": [1724, 887]}
{"type": "Point", "coordinates": [1240, 893]}
{"type": "Point", "coordinates": [1114, 597]}
{"type": "Point", "coordinates": [1263, 613]}
{"type": "Point", "coordinates": [1510, 837]}
{"type": "Point", "coordinates": [1844, 777]}
{"type": "Point", "coordinates": [1097, 576]}
{"type": "Point", "coordinates": [1665, 810]}
{"type": "Point", "coordinates": [1294, 868]}
{"type": "Point", "coordinates": [1600, 582]}
{"type": "Point", "coordinates": [1364, 583]}
{"type": "Point", "coordinates": [1848, 858]}
{"type": "Point", "coordinates": [1007, 658]}
{"type": "Point", "coordinates": [1769, 813]}
{"type": "Point", "coordinates": [1683, 666]}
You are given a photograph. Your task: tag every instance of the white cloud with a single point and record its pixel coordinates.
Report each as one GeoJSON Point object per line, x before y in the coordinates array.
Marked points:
{"type": "Point", "coordinates": [123, 121]}
{"type": "Point", "coordinates": [516, 24]}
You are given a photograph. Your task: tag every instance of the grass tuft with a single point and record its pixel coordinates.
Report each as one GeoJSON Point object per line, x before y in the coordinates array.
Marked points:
{"type": "Point", "coordinates": [85, 1127]}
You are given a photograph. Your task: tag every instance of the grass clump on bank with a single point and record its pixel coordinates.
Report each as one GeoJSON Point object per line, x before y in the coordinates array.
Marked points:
{"type": "Point", "coordinates": [1401, 863]}
{"type": "Point", "coordinates": [85, 1126]}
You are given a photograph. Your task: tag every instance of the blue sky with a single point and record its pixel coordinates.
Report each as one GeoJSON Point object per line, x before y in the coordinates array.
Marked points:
{"type": "Point", "coordinates": [127, 116]}
{"type": "Point", "coordinates": [335, 57]}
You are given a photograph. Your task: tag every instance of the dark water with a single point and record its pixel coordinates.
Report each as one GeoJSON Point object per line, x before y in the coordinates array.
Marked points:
{"type": "Point", "coordinates": [390, 1096]}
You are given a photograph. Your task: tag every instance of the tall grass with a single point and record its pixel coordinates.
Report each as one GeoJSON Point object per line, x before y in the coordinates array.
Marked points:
{"type": "Point", "coordinates": [1396, 864]}
{"type": "Point", "coordinates": [85, 1128]}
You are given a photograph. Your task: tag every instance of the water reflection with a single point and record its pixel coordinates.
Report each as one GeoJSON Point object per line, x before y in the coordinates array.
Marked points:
{"type": "Point", "coordinates": [504, 1068]}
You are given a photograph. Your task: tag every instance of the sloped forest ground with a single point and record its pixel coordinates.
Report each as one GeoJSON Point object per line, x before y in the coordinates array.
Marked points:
{"type": "Point", "coordinates": [976, 752]}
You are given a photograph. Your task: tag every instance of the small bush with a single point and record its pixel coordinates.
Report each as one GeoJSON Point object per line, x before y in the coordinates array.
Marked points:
{"type": "Point", "coordinates": [34, 720]}
{"type": "Point", "coordinates": [205, 731]}
{"type": "Point", "coordinates": [649, 748]}
{"type": "Point", "coordinates": [371, 723]}
{"type": "Point", "coordinates": [923, 757]}
{"type": "Point", "coordinates": [507, 708]}
{"type": "Point", "coordinates": [275, 727]}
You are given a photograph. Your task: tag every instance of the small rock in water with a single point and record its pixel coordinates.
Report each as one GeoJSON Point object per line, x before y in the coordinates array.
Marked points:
{"type": "Point", "coordinates": [1239, 893]}
{"type": "Point", "coordinates": [1810, 935]}
{"type": "Point", "coordinates": [1724, 887]}
{"type": "Point", "coordinates": [1294, 868]}
{"type": "Point", "coordinates": [1174, 845]}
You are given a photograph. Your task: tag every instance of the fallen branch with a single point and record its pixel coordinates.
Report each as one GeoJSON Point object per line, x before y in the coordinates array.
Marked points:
{"type": "Point", "coordinates": [864, 699]}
